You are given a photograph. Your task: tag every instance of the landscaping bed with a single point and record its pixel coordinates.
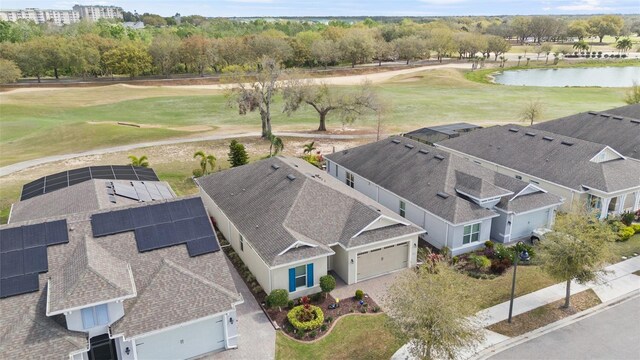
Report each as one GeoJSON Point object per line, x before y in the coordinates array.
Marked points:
{"type": "Point", "coordinates": [545, 315]}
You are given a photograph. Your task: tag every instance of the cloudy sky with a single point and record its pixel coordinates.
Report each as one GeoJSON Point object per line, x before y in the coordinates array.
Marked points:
{"type": "Point", "coordinates": [230, 8]}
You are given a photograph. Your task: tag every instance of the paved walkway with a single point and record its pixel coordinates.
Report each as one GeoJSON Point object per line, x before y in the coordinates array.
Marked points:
{"type": "Point", "coordinates": [376, 287]}
{"type": "Point", "coordinates": [619, 281]}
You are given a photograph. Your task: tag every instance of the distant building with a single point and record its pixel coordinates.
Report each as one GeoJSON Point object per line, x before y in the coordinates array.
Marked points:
{"type": "Point", "coordinates": [40, 16]}
{"type": "Point", "coordinates": [96, 12]}
{"type": "Point", "coordinates": [133, 24]}
{"type": "Point", "coordinates": [433, 134]}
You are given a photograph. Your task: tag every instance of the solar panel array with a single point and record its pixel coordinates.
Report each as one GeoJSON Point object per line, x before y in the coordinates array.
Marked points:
{"type": "Point", "coordinates": [23, 255]}
{"type": "Point", "coordinates": [161, 225]}
{"type": "Point", "coordinates": [65, 179]}
{"type": "Point", "coordinates": [142, 191]}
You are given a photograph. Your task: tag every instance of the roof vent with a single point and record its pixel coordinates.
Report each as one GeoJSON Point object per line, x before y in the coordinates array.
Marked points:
{"type": "Point", "coordinates": [443, 195]}
{"type": "Point", "coordinates": [605, 115]}
{"type": "Point", "coordinates": [617, 117]}
{"type": "Point", "coordinates": [408, 146]}
{"type": "Point", "coordinates": [395, 141]}
{"type": "Point", "coordinates": [568, 143]}
{"type": "Point", "coordinates": [423, 151]}
{"type": "Point", "coordinates": [635, 121]}
{"type": "Point", "coordinates": [291, 177]}
{"type": "Point", "coordinates": [513, 130]}
{"type": "Point", "coordinates": [530, 134]}
{"type": "Point", "coordinates": [548, 138]}
{"type": "Point", "coordinates": [439, 157]}
{"type": "Point", "coordinates": [593, 113]}
{"type": "Point", "coordinates": [275, 166]}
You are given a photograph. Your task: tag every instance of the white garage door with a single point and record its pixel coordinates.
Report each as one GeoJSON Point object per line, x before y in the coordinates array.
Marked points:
{"type": "Point", "coordinates": [383, 260]}
{"type": "Point", "coordinates": [184, 342]}
{"type": "Point", "coordinates": [524, 224]}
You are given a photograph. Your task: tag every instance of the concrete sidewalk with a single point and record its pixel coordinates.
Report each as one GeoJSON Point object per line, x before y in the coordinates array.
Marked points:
{"type": "Point", "coordinates": [618, 281]}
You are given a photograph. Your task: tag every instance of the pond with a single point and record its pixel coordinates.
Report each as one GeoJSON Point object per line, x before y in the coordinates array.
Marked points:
{"type": "Point", "coordinates": [592, 76]}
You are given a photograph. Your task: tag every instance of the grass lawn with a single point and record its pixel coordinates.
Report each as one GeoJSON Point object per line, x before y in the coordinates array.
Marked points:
{"type": "Point", "coordinates": [353, 337]}
{"type": "Point", "coordinates": [625, 248]}
{"type": "Point", "coordinates": [40, 123]}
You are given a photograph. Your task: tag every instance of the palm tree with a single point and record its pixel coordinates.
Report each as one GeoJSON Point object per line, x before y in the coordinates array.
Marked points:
{"type": "Point", "coordinates": [308, 148]}
{"type": "Point", "coordinates": [276, 144]}
{"type": "Point", "coordinates": [624, 44]}
{"type": "Point", "coordinates": [519, 58]}
{"type": "Point", "coordinates": [581, 45]}
{"type": "Point", "coordinates": [142, 161]}
{"type": "Point", "coordinates": [205, 160]}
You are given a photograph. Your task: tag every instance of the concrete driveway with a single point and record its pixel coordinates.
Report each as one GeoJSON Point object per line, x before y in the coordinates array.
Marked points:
{"type": "Point", "coordinates": [376, 287]}
{"type": "Point", "coordinates": [257, 336]}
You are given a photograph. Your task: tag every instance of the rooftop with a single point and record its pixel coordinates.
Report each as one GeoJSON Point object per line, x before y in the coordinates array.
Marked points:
{"type": "Point", "coordinates": [448, 129]}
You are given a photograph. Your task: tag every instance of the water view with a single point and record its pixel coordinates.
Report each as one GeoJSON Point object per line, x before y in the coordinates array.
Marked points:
{"type": "Point", "coordinates": [595, 76]}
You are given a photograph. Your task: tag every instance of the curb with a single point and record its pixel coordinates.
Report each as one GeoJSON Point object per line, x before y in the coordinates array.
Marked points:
{"type": "Point", "coordinates": [497, 348]}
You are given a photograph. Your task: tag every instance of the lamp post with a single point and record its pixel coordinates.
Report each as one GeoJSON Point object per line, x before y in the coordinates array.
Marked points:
{"type": "Point", "coordinates": [523, 256]}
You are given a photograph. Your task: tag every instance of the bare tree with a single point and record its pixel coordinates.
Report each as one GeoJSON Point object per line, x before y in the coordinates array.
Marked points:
{"type": "Point", "coordinates": [532, 112]}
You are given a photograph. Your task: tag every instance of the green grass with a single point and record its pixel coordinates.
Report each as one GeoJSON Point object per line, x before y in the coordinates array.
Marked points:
{"type": "Point", "coordinates": [353, 337]}
{"type": "Point", "coordinates": [625, 248]}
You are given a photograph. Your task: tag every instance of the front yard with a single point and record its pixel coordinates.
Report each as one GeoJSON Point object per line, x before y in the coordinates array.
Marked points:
{"type": "Point", "coordinates": [353, 337]}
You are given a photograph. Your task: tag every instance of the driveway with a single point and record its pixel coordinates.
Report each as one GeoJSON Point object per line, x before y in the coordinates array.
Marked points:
{"type": "Point", "coordinates": [257, 336]}
{"type": "Point", "coordinates": [611, 334]}
{"type": "Point", "coordinates": [376, 287]}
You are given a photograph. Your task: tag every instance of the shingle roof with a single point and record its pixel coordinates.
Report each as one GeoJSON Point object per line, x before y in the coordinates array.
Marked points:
{"type": "Point", "coordinates": [612, 127]}
{"type": "Point", "coordinates": [420, 173]}
{"type": "Point", "coordinates": [273, 212]}
{"type": "Point", "coordinates": [448, 129]}
{"type": "Point", "coordinates": [165, 281]}
{"type": "Point", "coordinates": [570, 166]}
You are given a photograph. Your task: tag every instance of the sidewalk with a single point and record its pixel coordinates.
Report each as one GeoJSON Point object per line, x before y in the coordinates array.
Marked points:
{"type": "Point", "coordinates": [619, 281]}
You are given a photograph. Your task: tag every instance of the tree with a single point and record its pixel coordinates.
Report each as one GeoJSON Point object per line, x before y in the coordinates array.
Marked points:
{"type": "Point", "coordinates": [205, 161]}
{"type": "Point", "coordinates": [521, 27]}
{"type": "Point", "coordinates": [141, 161]}
{"type": "Point", "coordinates": [410, 48]}
{"type": "Point", "coordinates": [441, 41]}
{"type": "Point", "coordinates": [532, 111]}
{"type": "Point", "coordinates": [633, 95]}
{"type": "Point", "coordinates": [383, 51]}
{"type": "Point", "coordinates": [546, 49]}
{"type": "Point", "coordinates": [272, 45]}
{"type": "Point", "coordinates": [327, 284]}
{"type": "Point", "coordinates": [129, 58]}
{"type": "Point", "coordinates": [324, 100]}
{"type": "Point", "coordinates": [325, 52]}
{"type": "Point", "coordinates": [578, 29]}
{"type": "Point", "coordinates": [624, 45]}
{"type": "Point", "coordinates": [581, 45]}
{"type": "Point", "coordinates": [604, 25]}
{"type": "Point", "coordinates": [31, 57]}
{"type": "Point", "coordinates": [257, 93]}
{"type": "Point", "coordinates": [9, 71]}
{"type": "Point", "coordinates": [237, 154]}
{"type": "Point", "coordinates": [576, 249]}
{"type": "Point", "coordinates": [356, 46]}
{"type": "Point", "coordinates": [278, 298]}
{"type": "Point", "coordinates": [165, 52]}
{"type": "Point", "coordinates": [308, 148]}
{"type": "Point", "coordinates": [497, 45]}
{"type": "Point", "coordinates": [195, 53]}
{"type": "Point", "coordinates": [276, 145]}
{"type": "Point", "coordinates": [422, 311]}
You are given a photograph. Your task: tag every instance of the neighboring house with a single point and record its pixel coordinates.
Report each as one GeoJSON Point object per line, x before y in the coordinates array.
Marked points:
{"type": "Point", "coordinates": [433, 134]}
{"type": "Point", "coordinates": [618, 128]}
{"type": "Point", "coordinates": [583, 172]}
{"type": "Point", "coordinates": [134, 280]}
{"type": "Point", "coordinates": [136, 25]}
{"type": "Point", "coordinates": [291, 224]}
{"type": "Point", "coordinates": [460, 204]}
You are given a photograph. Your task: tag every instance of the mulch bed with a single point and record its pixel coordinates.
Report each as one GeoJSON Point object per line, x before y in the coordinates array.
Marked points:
{"type": "Point", "coordinates": [545, 315]}
{"type": "Point", "coordinates": [347, 306]}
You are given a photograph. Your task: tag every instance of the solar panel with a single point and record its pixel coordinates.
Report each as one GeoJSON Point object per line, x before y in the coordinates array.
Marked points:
{"type": "Point", "coordinates": [35, 260]}
{"type": "Point", "coordinates": [19, 285]}
{"type": "Point", "coordinates": [153, 191]}
{"type": "Point", "coordinates": [57, 232]}
{"type": "Point", "coordinates": [195, 206]}
{"type": "Point", "coordinates": [203, 245]}
{"type": "Point", "coordinates": [167, 235]}
{"type": "Point", "coordinates": [146, 238]}
{"type": "Point", "coordinates": [141, 216]}
{"type": "Point", "coordinates": [141, 190]}
{"type": "Point", "coordinates": [165, 192]}
{"type": "Point", "coordinates": [127, 191]}
{"type": "Point", "coordinates": [11, 263]}
{"type": "Point", "coordinates": [201, 227]}
{"type": "Point", "coordinates": [178, 210]}
{"type": "Point", "coordinates": [184, 228]}
{"type": "Point", "coordinates": [34, 235]}
{"type": "Point", "coordinates": [10, 239]}
{"type": "Point", "coordinates": [159, 213]}
{"type": "Point", "coordinates": [112, 222]}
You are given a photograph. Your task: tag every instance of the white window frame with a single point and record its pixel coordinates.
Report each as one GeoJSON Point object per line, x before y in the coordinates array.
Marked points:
{"type": "Point", "coordinates": [403, 208]}
{"type": "Point", "coordinates": [467, 238]}
{"type": "Point", "coordinates": [303, 276]}
{"type": "Point", "coordinates": [350, 180]}
{"type": "Point", "coordinates": [93, 313]}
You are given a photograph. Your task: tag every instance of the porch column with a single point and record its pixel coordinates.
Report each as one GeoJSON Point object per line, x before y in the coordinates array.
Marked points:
{"type": "Point", "coordinates": [620, 204]}
{"type": "Point", "coordinates": [551, 218]}
{"type": "Point", "coordinates": [604, 208]}
{"type": "Point", "coordinates": [636, 204]}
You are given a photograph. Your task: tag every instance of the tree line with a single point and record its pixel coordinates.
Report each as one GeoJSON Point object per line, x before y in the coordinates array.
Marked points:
{"type": "Point", "coordinates": [202, 46]}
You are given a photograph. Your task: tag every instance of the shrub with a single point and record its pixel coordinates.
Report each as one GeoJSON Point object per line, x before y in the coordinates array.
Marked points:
{"type": "Point", "coordinates": [501, 252]}
{"type": "Point", "coordinates": [481, 262]}
{"type": "Point", "coordinates": [499, 266]}
{"type": "Point", "coordinates": [376, 309]}
{"type": "Point", "coordinates": [278, 298]}
{"type": "Point", "coordinates": [363, 309]}
{"type": "Point", "coordinates": [316, 297]}
{"type": "Point", "coordinates": [455, 260]}
{"type": "Point", "coordinates": [359, 294]}
{"type": "Point", "coordinates": [489, 252]}
{"type": "Point", "coordinates": [313, 334]}
{"type": "Point", "coordinates": [489, 244]}
{"type": "Point", "coordinates": [329, 319]}
{"type": "Point", "coordinates": [327, 283]}
{"type": "Point", "coordinates": [625, 233]}
{"type": "Point", "coordinates": [291, 304]}
{"type": "Point", "coordinates": [323, 327]}
{"type": "Point", "coordinates": [445, 251]}
{"type": "Point", "coordinates": [197, 173]}
{"type": "Point", "coordinates": [306, 317]}
{"type": "Point", "coordinates": [636, 228]}
{"type": "Point", "coordinates": [627, 218]}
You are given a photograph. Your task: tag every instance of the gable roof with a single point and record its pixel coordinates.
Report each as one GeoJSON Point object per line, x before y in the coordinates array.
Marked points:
{"type": "Point", "coordinates": [425, 176]}
{"type": "Point", "coordinates": [559, 159]}
{"type": "Point", "coordinates": [280, 202]}
{"type": "Point", "coordinates": [618, 128]}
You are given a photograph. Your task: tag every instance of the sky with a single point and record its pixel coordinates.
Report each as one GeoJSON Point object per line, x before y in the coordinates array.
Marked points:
{"type": "Point", "coordinates": [244, 8]}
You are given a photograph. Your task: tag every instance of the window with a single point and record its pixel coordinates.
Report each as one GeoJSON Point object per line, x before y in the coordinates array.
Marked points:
{"type": "Point", "coordinates": [403, 208]}
{"type": "Point", "coordinates": [241, 243]}
{"type": "Point", "coordinates": [301, 276]}
{"type": "Point", "coordinates": [349, 179]}
{"type": "Point", "coordinates": [471, 233]}
{"type": "Point", "coordinates": [95, 316]}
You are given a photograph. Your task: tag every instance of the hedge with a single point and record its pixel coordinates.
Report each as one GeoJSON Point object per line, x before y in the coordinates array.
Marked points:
{"type": "Point", "coordinates": [307, 325]}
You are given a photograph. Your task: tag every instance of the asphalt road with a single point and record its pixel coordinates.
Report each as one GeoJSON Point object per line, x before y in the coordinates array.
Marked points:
{"type": "Point", "coordinates": [613, 334]}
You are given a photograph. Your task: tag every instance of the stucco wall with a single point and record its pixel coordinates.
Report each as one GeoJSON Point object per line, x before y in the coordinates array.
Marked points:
{"type": "Point", "coordinates": [456, 233]}
{"type": "Point", "coordinates": [499, 227]}
{"type": "Point", "coordinates": [280, 277]}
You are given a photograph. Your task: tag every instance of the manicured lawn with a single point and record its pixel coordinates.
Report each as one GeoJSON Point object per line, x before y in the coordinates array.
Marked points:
{"type": "Point", "coordinates": [625, 248]}
{"type": "Point", "coordinates": [353, 337]}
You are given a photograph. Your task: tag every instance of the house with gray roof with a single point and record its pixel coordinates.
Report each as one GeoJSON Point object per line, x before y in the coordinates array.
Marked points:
{"type": "Point", "coordinates": [291, 224]}
{"type": "Point", "coordinates": [584, 173]}
{"type": "Point", "coordinates": [618, 128]}
{"type": "Point", "coordinates": [458, 203]}
{"type": "Point", "coordinates": [432, 134]}
{"type": "Point", "coordinates": [121, 277]}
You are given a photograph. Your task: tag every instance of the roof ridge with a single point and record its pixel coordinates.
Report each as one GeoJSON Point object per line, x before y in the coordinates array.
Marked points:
{"type": "Point", "coordinates": [200, 278]}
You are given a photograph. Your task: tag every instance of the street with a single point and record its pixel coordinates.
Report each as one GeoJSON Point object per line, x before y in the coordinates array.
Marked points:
{"type": "Point", "coordinates": [611, 334]}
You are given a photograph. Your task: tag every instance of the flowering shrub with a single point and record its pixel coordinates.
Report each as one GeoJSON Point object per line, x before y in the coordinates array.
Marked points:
{"type": "Point", "coordinates": [306, 317]}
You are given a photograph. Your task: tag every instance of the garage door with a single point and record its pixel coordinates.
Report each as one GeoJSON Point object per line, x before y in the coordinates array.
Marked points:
{"type": "Point", "coordinates": [184, 342]}
{"type": "Point", "coordinates": [383, 260]}
{"type": "Point", "coordinates": [524, 224]}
